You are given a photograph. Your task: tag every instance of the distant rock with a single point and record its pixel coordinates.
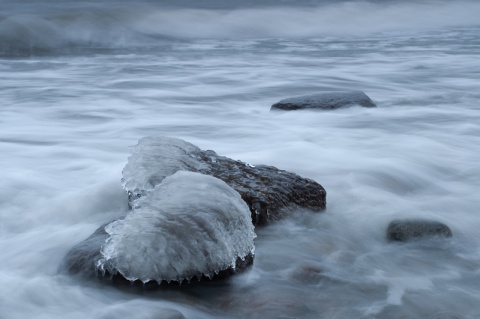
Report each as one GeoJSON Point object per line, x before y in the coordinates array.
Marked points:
{"type": "Point", "coordinates": [269, 192]}
{"type": "Point", "coordinates": [190, 225]}
{"type": "Point", "coordinates": [324, 101]}
{"type": "Point", "coordinates": [411, 229]}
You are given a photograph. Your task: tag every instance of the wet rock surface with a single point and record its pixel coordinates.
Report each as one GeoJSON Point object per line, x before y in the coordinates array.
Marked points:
{"type": "Point", "coordinates": [84, 256]}
{"type": "Point", "coordinates": [324, 101]}
{"type": "Point", "coordinates": [270, 193]}
{"type": "Point", "coordinates": [413, 229]}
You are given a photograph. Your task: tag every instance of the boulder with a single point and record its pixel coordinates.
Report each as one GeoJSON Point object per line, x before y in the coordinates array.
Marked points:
{"type": "Point", "coordinates": [192, 215]}
{"type": "Point", "coordinates": [324, 101]}
{"type": "Point", "coordinates": [411, 229]}
{"type": "Point", "coordinates": [270, 193]}
{"type": "Point", "coordinates": [190, 225]}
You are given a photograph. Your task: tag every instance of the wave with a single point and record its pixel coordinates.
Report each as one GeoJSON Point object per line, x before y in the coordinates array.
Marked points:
{"type": "Point", "coordinates": [70, 31]}
{"type": "Point", "coordinates": [62, 29]}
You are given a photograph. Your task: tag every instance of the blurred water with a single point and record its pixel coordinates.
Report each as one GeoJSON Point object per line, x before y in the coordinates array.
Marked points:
{"type": "Point", "coordinates": [68, 115]}
{"type": "Point", "coordinates": [29, 27]}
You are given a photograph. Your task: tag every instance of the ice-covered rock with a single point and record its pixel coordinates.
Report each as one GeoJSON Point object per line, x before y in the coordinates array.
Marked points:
{"type": "Point", "coordinates": [189, 225]}
{"type": "Point", "coordinates": [324, 101]}
{"type": "Point", "coordinates": [410, 229]}
{"type": "Point", "coordinates": [269, 192]}
{"type": "Point", "coordinates": [153, 159]}
{"type": "Point", "coordinates": [191, 216]}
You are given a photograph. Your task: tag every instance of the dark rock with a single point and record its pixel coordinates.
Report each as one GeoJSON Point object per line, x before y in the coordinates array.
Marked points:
{"type": "Point", "coordinates": [309, 274]}
{"type": "Point", "coordinates": [324, 101]}
{"type": "Point", "coordinates": [410, 229]}
{"type": "Point", "coordinates": [270, 193]}
{"type": "Point", "coordinates": [84, 256]}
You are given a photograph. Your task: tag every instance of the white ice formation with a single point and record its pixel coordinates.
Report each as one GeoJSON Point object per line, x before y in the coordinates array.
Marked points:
{"type": "Point", "coordinates": [155, 158]}
{"type": "Point", "coordinates": [189, 225]}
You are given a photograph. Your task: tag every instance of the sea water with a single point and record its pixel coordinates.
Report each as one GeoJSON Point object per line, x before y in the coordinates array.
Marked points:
{"type": "Point", "coordinates": [82, 81]}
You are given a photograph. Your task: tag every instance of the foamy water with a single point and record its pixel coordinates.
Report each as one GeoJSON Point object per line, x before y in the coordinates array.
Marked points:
{"type": "Point", "coordinates": [71, 106]}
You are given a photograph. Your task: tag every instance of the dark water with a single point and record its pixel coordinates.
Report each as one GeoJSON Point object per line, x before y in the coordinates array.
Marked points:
{"type": "Point", "coordinates": [81, 81]}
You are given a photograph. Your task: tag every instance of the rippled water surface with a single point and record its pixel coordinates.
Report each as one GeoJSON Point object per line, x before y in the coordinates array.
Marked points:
{"type": "Point", "coordinates": [71, 104]}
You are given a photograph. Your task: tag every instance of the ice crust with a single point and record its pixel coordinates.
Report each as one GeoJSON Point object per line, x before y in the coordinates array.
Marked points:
{"type": "Point", "coordinates": [153, 159]}
{"type": "Point", "coordinates": [189, 225]}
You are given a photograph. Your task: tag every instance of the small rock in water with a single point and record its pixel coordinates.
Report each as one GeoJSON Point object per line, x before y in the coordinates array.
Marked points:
{"type": "Point", "coordinates": [190, 225]}
{"type": "Point", "coordinates": [310, 274]}
{"type": "Point", "coordinates": [324, 101]}
{"type": "Point", "coordinates": [134, 310]}
{"type": "Point", "coordinates": [169, 314]}
{"type": "Point", "coordinates": [410, 229]}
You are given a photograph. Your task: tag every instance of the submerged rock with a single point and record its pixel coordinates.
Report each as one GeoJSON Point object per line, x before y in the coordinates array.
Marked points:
{"type": "Point", "coordinates": [324, 101]}
{"type": "Point", "coordinates": [190, 225]}
{"type": "Point", "coordinates": [84, 256]}
{"type": "Point", "coordinates": [269, 192]}
{"type": "Point", "coordinates": [410, 229]}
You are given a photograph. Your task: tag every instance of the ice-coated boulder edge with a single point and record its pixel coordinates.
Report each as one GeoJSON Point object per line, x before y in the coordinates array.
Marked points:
{"type": "Point", "coordinates": [190, 225]}
{"type": "Point", "coordinates": [324, 101]}
{"type": "Point", "coordinates": [153, 159]}
{"type": "Point", "coordinates": [270, 193]}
